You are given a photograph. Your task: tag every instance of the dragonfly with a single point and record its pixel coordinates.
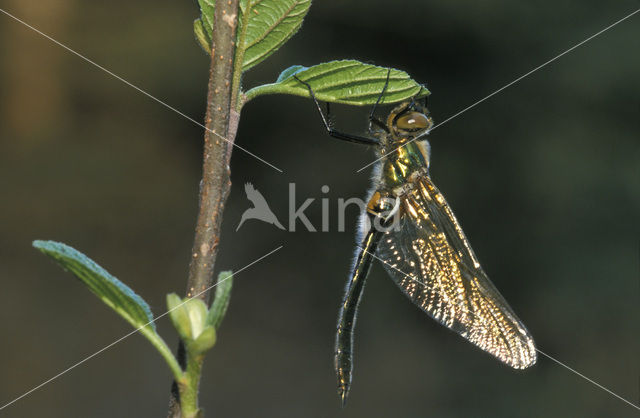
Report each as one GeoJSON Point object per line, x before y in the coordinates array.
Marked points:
{"type": "Point", "coordinates": [411, 229]}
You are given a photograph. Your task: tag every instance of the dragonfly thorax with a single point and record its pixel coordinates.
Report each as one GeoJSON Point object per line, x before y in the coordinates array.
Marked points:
{"type": "Point", "coordinates": [401, 164]}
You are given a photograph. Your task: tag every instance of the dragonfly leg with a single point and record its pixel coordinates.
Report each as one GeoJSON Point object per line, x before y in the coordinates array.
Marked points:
{"type": "Point", "coordinates": [358, 139]}
{"type": "Point", "coordinates": [372, 119]}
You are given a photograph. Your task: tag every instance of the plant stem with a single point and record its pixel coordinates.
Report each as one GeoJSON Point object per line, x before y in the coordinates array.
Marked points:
{"type": "Point", "coordinates": [189, 387]}
{"type": "Point", "coordinates": [220, 120]}
{"type": "Point", "coordinates": [216, 183]}
{"type": "Point", "coordinates": [237, 71]}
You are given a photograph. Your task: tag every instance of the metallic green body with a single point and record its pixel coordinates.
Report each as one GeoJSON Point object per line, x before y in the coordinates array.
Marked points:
{"type": "Point", "coordinates": [400, 163]}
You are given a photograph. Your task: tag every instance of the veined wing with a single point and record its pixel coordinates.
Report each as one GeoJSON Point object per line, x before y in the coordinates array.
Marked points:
{"type": "Point", "coordinates": [429, 257]}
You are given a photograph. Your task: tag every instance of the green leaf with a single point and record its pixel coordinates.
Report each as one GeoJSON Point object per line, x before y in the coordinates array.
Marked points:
{"type": "Point", "coordinates": [348, 81]}
{"type": "Point", "coordinates": [110, 290]}
{"type": "Point", "coordinates": [203, 27]}
{"type": "Point", "coordinates": [206, 17]}
{"type": "Point", "coordinates": [204, 342]}
{"type": "Point", "coordinates": [189, 316]}
{"type": "Point", "coordinates": [179, 316]}
{"type": "Point", "coordinates": [221, 299]}
{"type": "Point", "coordinates": [265, 25]}
{"type": "Point", "coordinates": [201, 36]}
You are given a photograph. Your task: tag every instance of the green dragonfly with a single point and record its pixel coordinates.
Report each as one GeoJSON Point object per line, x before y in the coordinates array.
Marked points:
{"type": "Point", "coordinates": [412, 230]}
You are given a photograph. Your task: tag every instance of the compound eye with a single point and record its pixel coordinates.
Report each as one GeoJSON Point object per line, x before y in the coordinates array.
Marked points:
{"type": "Point", "coordinates": [413, 121]}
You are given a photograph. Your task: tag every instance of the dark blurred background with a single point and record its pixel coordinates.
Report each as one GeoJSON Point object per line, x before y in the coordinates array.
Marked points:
{"type": "Point", "coordinates": [544, 177]}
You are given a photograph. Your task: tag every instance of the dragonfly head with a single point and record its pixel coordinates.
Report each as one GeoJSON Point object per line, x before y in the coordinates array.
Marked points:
{"type": "Point", "coordinates": [408, 121]}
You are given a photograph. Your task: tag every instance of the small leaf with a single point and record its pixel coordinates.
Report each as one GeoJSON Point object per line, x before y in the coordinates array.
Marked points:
{"type": "Point", "coordinates": [348, 81]}
{"type": "Point", "coordinates": [189, 316]}
{"type": "Point", "coordinates": [204, 342]}
{"type": "Point", "coordinates": [179, 316]}
{"type": "Point", "coordinates": [197, 315]}
{"type": "Point", "coordinates": [265, 25]}
{"type": "Point", "coordinates": [110, 290]}
{"type": "Point", "coordinates": [201, 36]}
{"type": "Point", "coordinates": [207, 8]}
{"type": "Point", "coordinates": [221, 299]}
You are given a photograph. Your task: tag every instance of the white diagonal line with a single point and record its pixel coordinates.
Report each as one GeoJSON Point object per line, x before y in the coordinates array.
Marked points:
{"type": "Point", "coordinates": [506, 86]}
{"type": "Point", "coordinates": [132, 332]}
{"type": "Point", "coordinates": [137, 88]}
{"type": "Point", "coordinates": [544, 354]}
{"type": "Point", "coordinates": [587, 379]}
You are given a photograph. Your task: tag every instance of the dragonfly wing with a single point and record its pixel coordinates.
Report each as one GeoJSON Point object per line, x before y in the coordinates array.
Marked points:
{"type": "Point", "coordinates": [430, 259]}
